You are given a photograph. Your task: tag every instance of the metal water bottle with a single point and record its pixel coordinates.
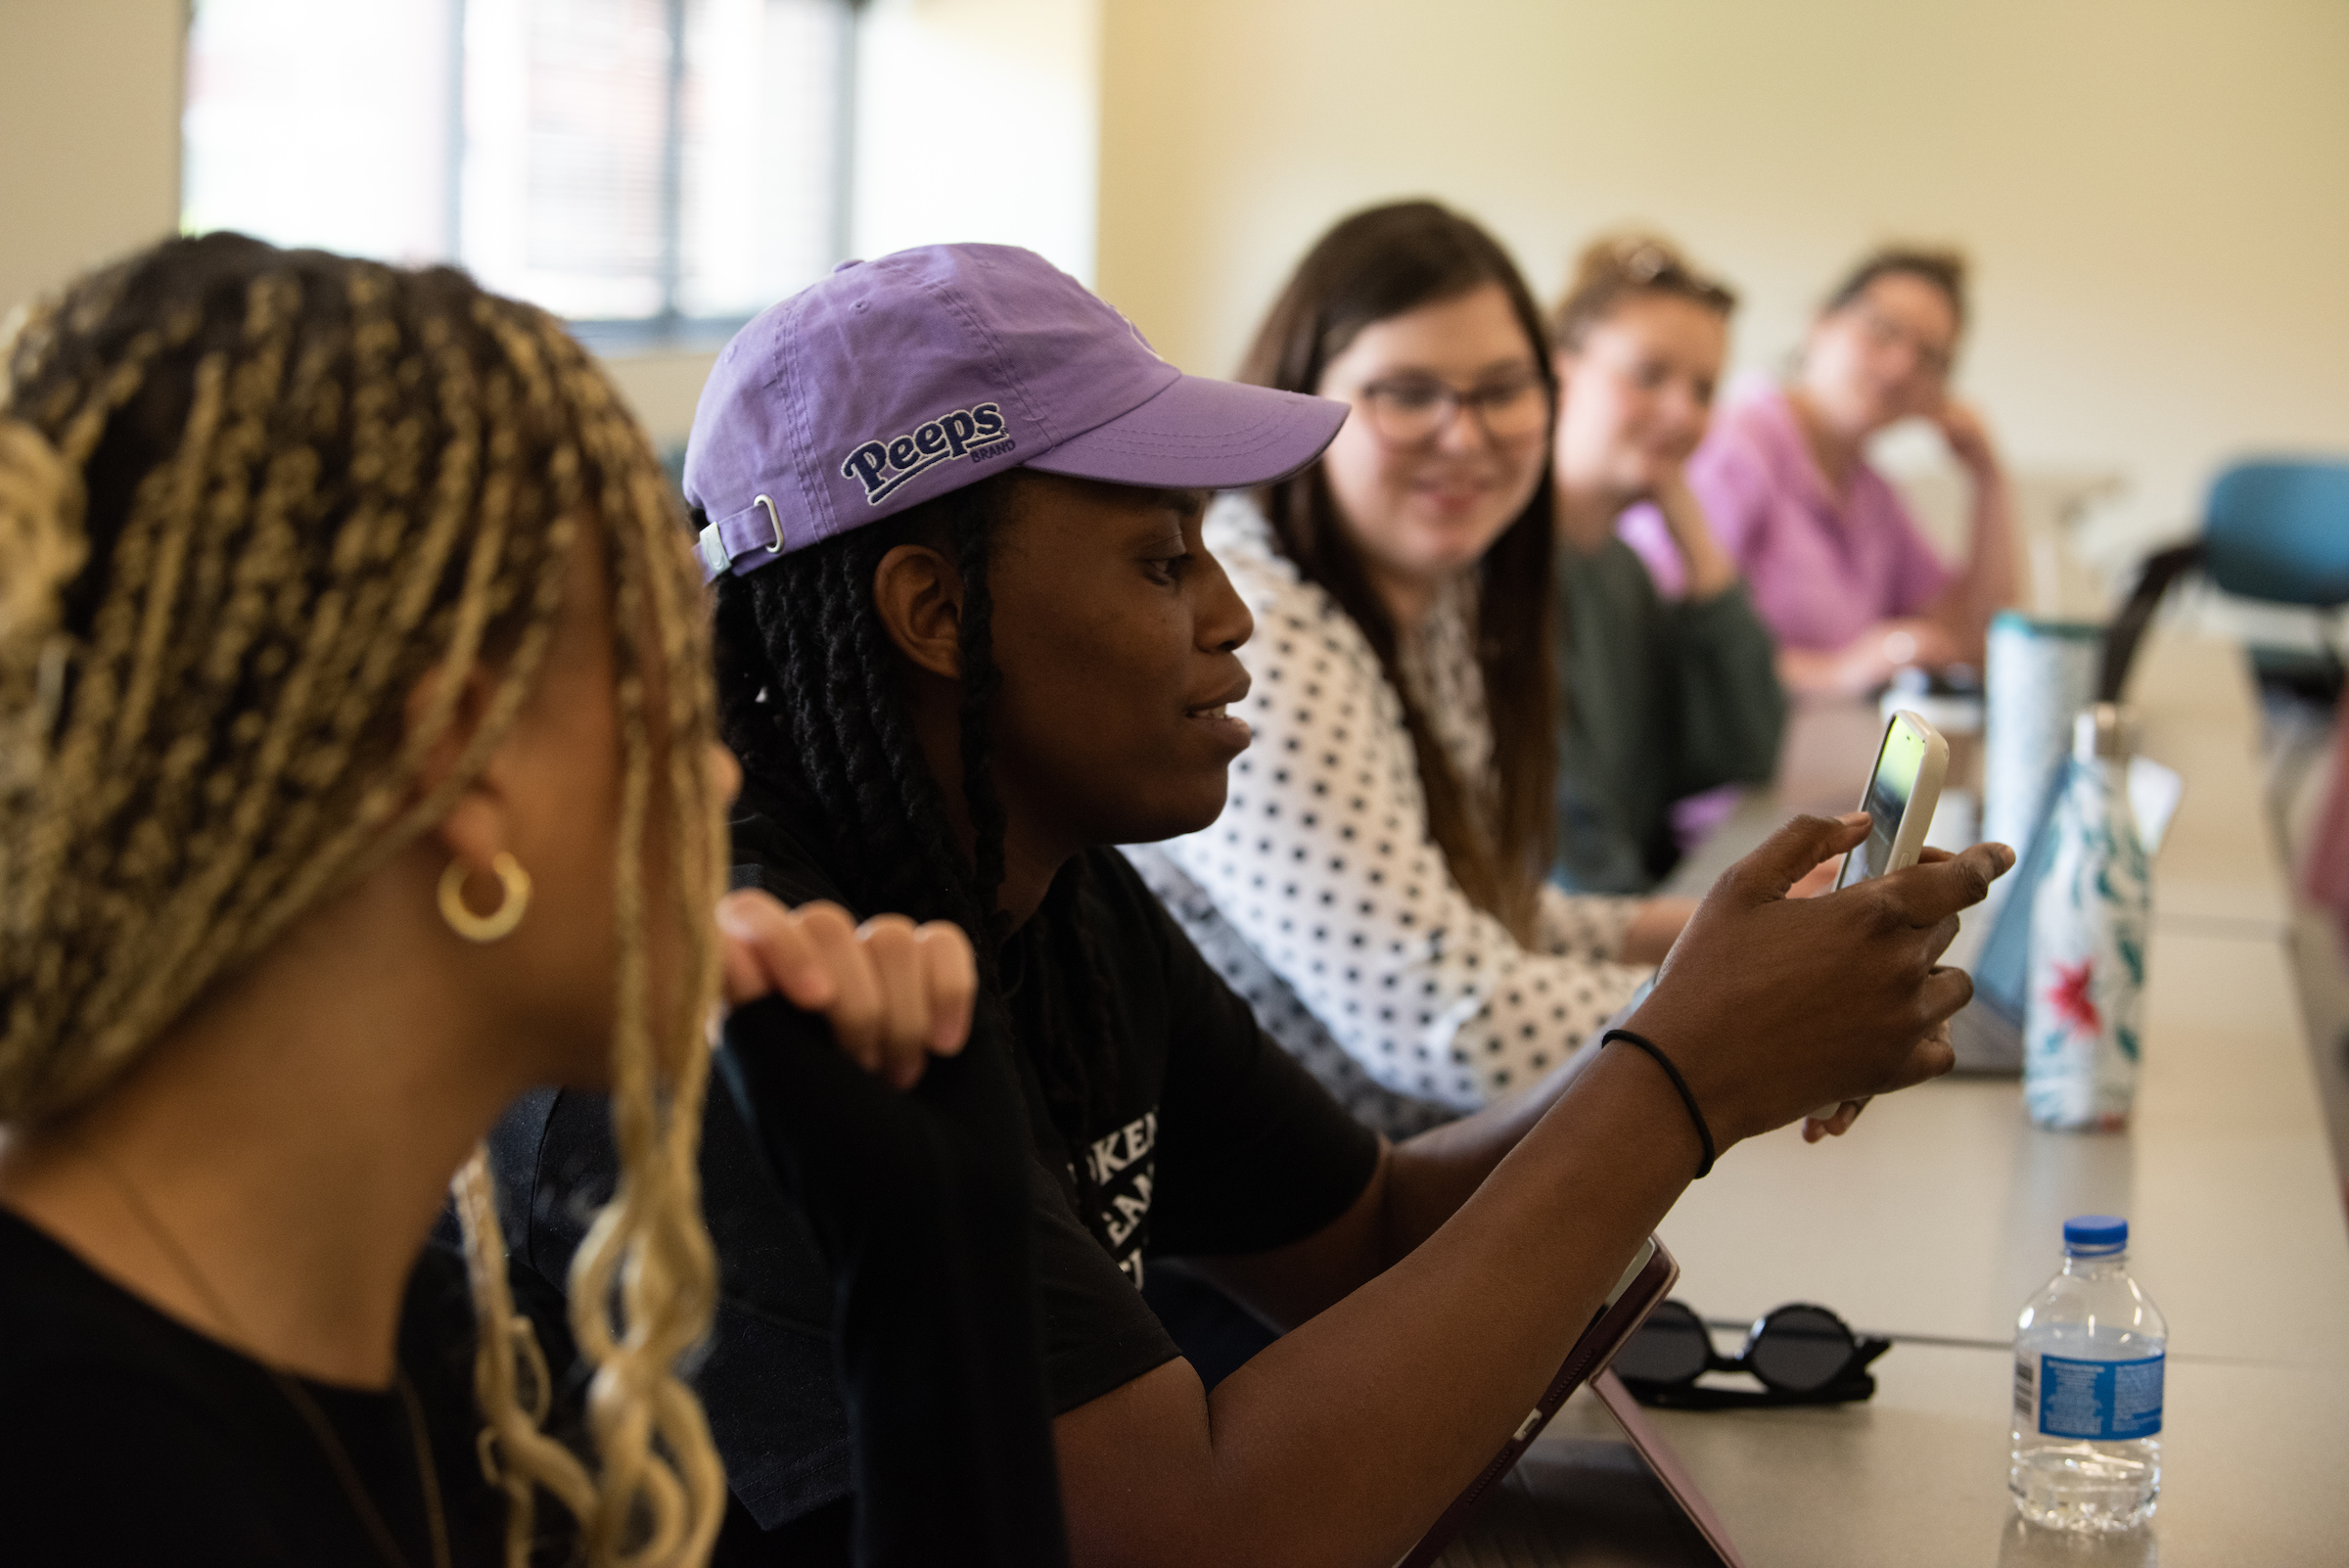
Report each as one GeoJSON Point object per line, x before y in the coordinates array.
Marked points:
{"type": "Point", "coordinates": [2089, 923]}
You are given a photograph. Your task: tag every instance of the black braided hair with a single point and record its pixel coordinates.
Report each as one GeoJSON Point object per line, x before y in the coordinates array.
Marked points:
{"type": "Point", "coordinates": [812, 702]}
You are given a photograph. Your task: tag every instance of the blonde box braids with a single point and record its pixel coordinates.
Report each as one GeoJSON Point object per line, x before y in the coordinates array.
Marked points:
{"type": "Point", "coordinates": [249, 499]}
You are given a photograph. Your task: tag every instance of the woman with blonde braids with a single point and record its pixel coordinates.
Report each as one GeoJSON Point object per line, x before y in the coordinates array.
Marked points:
{"type": "Point", "coordinates": [356, 772]}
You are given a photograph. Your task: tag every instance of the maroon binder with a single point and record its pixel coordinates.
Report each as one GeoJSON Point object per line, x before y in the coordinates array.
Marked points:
{"type": "Point", "coordinates": [1665, 1465]}
{"type": "Point", "coordinates": [1646, 1283]}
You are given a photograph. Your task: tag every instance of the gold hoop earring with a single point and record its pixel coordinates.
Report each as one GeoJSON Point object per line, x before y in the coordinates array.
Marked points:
{"type": "Point", "coordinates": [514, 884]}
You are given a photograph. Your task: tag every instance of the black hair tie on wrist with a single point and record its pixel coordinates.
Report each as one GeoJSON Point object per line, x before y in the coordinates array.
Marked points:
{"type": "Point", "coordinates": [1704, 1133]}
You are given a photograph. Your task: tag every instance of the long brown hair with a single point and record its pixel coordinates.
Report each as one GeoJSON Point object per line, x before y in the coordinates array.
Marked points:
{"type": "Point", "coordinates": [1377, 264]}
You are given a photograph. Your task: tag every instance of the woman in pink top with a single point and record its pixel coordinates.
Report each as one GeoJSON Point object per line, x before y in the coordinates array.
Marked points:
{"type": "Point", "coordinates": [1838, 568]}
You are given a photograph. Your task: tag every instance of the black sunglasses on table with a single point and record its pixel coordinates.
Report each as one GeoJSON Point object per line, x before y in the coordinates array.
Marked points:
{"type": "Point", "coordinates": [1799, 1354]}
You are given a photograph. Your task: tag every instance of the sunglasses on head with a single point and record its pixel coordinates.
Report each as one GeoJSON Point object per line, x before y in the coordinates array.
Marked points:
{"type": "Point", "coordinates": [1799, 1354]}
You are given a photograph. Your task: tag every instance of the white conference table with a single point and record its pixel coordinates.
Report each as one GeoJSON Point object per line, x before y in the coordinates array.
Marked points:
{"type": "Point", "coordinates": [1941, 1214]}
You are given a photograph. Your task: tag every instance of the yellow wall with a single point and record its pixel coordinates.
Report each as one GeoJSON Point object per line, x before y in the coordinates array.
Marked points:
{"type": "Point", "coordinates": [976, 120]}
{"type": "Point", "coordinates": [2157, 193]}
{"type": "Point", "coordinates": [89, 134]}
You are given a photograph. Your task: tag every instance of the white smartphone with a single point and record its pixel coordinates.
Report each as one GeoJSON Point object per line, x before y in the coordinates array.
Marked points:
{"type": "Point", "coordinates": [1902, 790]}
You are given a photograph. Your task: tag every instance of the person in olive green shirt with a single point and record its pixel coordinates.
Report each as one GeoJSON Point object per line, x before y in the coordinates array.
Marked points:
{"type": "Point", "coordinates": [1662, 698]}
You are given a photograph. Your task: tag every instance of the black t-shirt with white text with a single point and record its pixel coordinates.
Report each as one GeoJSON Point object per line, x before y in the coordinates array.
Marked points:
{"type": "Point", "coordinates": [1219, 1143]}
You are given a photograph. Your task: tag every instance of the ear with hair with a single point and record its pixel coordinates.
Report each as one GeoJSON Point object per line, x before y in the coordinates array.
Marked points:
{"type": "Point", "coordinates": [917, 592]}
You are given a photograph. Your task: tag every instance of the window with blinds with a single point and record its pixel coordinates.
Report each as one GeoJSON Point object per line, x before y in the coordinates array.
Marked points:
{"type": "Point", "coordinates": [643, 167]}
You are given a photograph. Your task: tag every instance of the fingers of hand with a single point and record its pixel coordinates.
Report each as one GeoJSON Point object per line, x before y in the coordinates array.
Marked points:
{"type": "Point", "coordinates": [1932, 1055]}
{"type": "Point", "coordinates": [1925, 894]}
{"type": "Point", "coordinates": [1794, 851]}
{"type": "Point", "coordinates": [1833, 1127]}
{"type": "Point", "coordinates": [766, 947]}
{"type": "Point", "coordinates": [891, 993]}
{"type": "Point", "coordinates": [856, 1009]}
{"type": "Point", "coordinates": [743, 979]}
{"type": "Point", "coordinates": [1943, 994]}
{"type": "Point", "coordinates": [1939, 942]}
{"type": "Point", "coordinates": [900, 974]}
{"type": "Point", "coordinates": [953, 977]}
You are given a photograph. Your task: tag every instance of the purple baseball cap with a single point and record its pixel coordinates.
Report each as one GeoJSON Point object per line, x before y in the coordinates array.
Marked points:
{"type": "Point", "coordinates": [895, 380]}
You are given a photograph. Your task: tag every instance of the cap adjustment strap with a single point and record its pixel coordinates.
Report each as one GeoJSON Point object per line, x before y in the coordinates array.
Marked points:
{"type": "Point", "coordinates": [756, 526]}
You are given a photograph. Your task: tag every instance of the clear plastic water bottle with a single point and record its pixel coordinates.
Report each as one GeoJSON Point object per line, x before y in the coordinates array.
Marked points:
{"type": "Point", "coordinates": [2087, 1363]}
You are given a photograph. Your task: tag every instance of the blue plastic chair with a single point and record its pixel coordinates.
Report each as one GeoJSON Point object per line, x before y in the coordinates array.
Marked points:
{"type": "Point", "coordinates": [2280, 530]}
{"type": "Point", "coordinates": [2275, 529]}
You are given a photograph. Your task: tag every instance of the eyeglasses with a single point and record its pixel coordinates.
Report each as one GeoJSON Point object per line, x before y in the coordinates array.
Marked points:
{"type": "Point", "coordinates": [1885, 332]}
{"type": "Point", "coordinates": [1416, 410]}
{"type": "Point", "coordinates": [1799, 1354]}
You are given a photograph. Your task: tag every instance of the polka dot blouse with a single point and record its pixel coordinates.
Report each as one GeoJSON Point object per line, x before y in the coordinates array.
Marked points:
{"type": "Point", "coordinates": [1321, 896]}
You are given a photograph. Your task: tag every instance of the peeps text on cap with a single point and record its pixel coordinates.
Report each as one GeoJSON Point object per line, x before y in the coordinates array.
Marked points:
{"type": "Point", "coordinates": [896, 380]}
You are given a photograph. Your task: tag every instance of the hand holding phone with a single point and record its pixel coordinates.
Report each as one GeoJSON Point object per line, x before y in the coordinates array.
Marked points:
{"type": "Point", "coordinates": [1902, 790]}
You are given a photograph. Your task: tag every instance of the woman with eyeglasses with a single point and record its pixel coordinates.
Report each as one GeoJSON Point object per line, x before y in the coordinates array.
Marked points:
{"type": "Point", "coordinates": [1662, 699]}
{"type": "Point", "coordinates": [1377, 886]}
{"type": "Point", "coordinates": [1840, 569]}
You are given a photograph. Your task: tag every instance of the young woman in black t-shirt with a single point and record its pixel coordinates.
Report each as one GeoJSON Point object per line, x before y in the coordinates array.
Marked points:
{"type": "Point", "coordinates": [968, 637]}
{"type": "Point", "coordinates": [357, 771]}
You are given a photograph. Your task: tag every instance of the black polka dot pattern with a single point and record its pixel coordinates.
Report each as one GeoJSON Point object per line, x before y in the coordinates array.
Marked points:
{"type": "Point", "coordinates": [1321, 898]}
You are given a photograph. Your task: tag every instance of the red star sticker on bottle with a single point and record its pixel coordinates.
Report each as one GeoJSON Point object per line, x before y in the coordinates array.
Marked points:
{"type": "Point", "coordinates": [2071, 997]}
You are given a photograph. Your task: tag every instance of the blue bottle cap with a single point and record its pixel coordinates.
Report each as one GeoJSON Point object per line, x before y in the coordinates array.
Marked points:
{"type": "Point", "coordinates": [2088, 1235]}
